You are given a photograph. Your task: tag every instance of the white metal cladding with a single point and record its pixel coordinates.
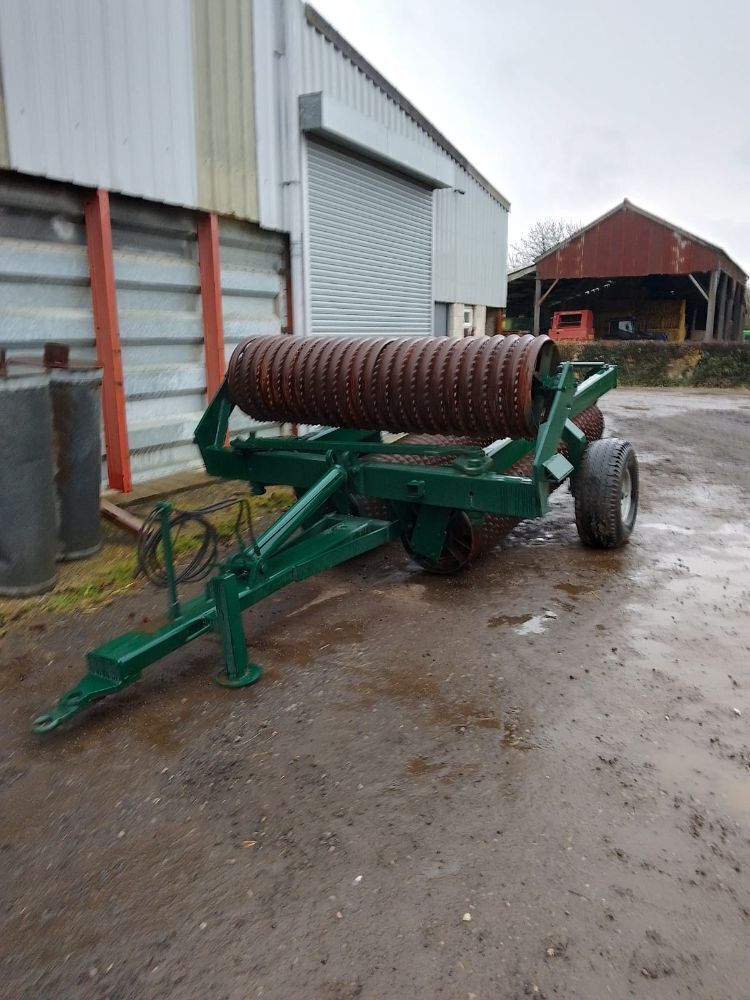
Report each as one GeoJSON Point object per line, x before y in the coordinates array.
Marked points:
{"type": "Point", "coordinates": [101, 93]}
{"type": "Point", "coordinates": [253, 288]}
{"type": "Point", "coordinates": [470, 229]}
{"type": "Point", "coordinates": [370, 247]}
{"type": "Point", "coordinates": [161, 326]}
{"type": "Point", "coordinates": [161, 333]}
{"type": "Point", "coordinates": [44, 276]}
{"type": "Point", "coordinates": [471, 245]}
{"type": "Point", "coordinates": [327, 69]}
{"type": "Point", "coordinates": [224, 107]}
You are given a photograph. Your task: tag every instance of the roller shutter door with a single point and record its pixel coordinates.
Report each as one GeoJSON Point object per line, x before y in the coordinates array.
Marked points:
{"type": "Point", "coordinates": [370, 247]}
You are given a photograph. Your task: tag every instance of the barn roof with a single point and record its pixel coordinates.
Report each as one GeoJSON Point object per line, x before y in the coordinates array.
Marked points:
{"type": "Point", "coordinates": [628, 242]}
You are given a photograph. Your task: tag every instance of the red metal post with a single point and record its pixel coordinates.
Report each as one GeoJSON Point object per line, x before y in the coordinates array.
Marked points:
{"type": "Point", "coordinates": [289, 328]}
{"type": "Point", "coordinates": [213, 319]}
{"type": "Point", "coordinates": [106, 326]}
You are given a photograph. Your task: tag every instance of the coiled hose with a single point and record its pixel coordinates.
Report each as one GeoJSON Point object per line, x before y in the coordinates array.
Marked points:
{"type": "Point", "coordinates": [150, 543]}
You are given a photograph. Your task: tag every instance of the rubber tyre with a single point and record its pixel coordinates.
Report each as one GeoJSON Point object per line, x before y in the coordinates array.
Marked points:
{"type": "Point", "coordinates": [603, 517]}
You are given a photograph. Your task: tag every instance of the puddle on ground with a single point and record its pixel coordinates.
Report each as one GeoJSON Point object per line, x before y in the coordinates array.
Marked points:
{"type": "Point", "coordinates": [712, 783]}
{"type": "Point", "coordinates": [427, 692]}
{"type": "Point", "coordinates": [536, 625]}
{"type": "Point", "coordinates": [507, 620]}
{"type": "Point", "coordinates": [420, 767]}
{"type": "Point", "coordinates": [328, 595]}
{"type": "Point", "coordinates": [324, 639]}
{"type": "Point", "coordinates": [524, 624]}
{"type": "Point", "coordinates": [574, 589]}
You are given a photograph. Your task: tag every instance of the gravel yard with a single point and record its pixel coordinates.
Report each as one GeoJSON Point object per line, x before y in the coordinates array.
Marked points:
{"type": "Point", "coordinates": [530, 780]}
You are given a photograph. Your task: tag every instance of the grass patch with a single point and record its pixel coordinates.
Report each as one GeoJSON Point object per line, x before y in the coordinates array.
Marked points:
{"type": "Point", "coordinates": [87, 584]}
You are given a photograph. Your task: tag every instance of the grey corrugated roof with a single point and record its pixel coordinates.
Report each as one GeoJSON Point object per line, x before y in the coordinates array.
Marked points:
{"type": "Point", "coordinates": [320, 24]}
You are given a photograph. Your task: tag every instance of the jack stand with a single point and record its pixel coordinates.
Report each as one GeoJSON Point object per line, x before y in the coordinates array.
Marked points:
{"type": "Point", "coordinates": [237, 671]}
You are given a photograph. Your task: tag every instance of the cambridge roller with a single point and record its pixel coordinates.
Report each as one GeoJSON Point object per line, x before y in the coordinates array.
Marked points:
{"type": "Point", "coordinates": [489, 427]}
{"type": "Point", "coordinates": [482, 387]}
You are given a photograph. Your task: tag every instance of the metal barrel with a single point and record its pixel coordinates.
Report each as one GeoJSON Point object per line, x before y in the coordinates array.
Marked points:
{"type": "Point", "coordinates": [28, 528]}
{"type": "Point", "coordinates": [76, 412]}
{"type": "Point", "coordinates": [478, 386]}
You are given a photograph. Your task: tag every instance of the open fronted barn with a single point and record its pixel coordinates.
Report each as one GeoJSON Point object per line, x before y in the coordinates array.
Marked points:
{"type": "Point", "coordinates": [631, 264]}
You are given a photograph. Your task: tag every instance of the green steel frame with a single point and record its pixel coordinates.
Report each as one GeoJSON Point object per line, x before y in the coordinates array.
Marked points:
{"type": "Point", "coordinates": [320, 530]}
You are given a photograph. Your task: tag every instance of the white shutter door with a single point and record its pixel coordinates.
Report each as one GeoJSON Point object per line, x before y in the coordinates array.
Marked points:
{"type": "Point", "coordinates": [370, 247]}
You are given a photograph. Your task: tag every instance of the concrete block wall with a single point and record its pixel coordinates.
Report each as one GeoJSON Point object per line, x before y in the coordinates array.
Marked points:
{"type": "Point", "coordinates": [456, 318]}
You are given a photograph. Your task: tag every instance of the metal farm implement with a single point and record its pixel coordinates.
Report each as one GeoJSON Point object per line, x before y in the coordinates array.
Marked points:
{"type": "Point", "coordinates": [493, 425]}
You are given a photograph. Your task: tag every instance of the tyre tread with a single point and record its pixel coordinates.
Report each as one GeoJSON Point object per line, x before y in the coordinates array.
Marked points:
{"type": "Point", "coordinates": [596, 489]}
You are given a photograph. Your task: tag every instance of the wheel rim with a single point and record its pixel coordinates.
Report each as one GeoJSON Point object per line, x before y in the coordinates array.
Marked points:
{"type": "Point", "coordinates": [626, 495]}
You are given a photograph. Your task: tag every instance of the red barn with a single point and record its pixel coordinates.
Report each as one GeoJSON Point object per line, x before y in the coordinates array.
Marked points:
{"type": "Point", "coordinates": [631, 263]}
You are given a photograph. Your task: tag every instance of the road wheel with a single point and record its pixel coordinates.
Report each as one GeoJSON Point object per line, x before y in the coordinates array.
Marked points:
{"type": "Point", "coordinates": [605, 487]}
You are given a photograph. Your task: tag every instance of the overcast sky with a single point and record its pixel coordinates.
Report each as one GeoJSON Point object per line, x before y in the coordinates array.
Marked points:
{"type": "Point", "coordinates": [569, 106]}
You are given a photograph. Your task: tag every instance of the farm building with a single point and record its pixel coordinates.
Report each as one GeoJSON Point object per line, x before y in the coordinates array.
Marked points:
{"type": "Point", "coordinates": [177, 176]}
{"type": "Point", "coordinates": [631, 263]}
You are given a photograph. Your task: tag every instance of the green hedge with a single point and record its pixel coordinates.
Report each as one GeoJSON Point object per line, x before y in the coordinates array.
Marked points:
{"type": "Point", "coordinates": [642, 362]}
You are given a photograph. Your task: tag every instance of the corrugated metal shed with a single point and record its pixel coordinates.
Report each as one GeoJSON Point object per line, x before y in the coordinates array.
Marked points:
{"type": "Point", "coordinates": [224, 107]}
{"type": "Point", "coordinates": [161, 330]}
{"type": "Point", "coordinates": [154, 100]}
{"type": "Point", "coordinates": [470, 227]}
{"type": "Point", "coordinates": [252, 292]}
{"type": "Point", "coordinates": [471, 246]}
{"type": "Point", "coordinates": [44, 271]}
{"type": "Point", "coordinates": [102, 93]}
{"type": "Point", "coordinates": [628, 241]}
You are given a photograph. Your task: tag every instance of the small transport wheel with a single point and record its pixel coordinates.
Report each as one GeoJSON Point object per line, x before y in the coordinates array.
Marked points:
{"type": "Point", "coordinates": [605, 487]}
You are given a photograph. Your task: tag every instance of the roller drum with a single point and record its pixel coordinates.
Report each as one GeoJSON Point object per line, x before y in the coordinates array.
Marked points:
{"type": "Point", "coordinates": [477, 386]}
{"type": "Point", "coordinates": [475, 539]}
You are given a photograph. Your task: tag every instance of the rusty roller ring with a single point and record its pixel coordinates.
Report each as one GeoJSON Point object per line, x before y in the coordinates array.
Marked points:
{"type": "Point", "coordinates": [494, 527]}
{"type": "Point", "coordinates": [477, 386]}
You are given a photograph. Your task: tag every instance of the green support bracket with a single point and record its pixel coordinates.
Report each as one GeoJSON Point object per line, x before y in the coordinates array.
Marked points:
{"type": "Point", "coordinates": [592, 388]}
{"type": "Point", "coordinates": [557, 469]}
{"type": "Point", "coordinates": [575, 442]}
{"type": "Point", "coordinates": [428, 537]}
{"type": "Point", "coordinates": [504, 454]}
{"type": "Point", "coordinates": [173, 600]}
{"type": "Point", "coordinates": [546, 466]}
{"type": "Point", "coordinates": [237, 671]}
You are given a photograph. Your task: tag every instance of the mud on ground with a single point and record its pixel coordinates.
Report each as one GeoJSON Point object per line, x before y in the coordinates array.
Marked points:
{"type": "Point", "coordinates": [554, 745]}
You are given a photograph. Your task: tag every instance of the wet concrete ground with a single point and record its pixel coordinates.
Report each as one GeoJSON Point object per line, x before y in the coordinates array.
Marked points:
{"type": "Point", "coordinates": [554, 745]}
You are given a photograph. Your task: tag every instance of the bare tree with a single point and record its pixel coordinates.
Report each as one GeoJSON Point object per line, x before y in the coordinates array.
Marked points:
{"type": "Point", "coordinates": [539, 239]}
